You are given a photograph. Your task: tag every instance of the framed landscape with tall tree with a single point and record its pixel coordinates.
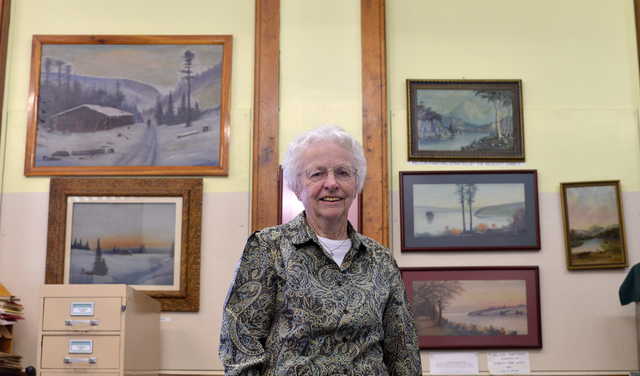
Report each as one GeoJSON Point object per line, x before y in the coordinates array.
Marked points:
{"type": "Point", "coordinates": [129, 105]}
{"type": "Point", "coordinates": [469, 210]}
{"type": "Point", "coordinates": [465, 120]}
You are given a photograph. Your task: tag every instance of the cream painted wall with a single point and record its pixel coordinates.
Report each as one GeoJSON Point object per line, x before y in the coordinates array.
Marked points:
{"type": "Point", "coordinates": [166, 17]}
{"type": "Point", "coordinates": [189, 340]}
{"type": "Point", "coordinates": [320, 71]}
{"type": "Point", "coordinates": [577, 60]}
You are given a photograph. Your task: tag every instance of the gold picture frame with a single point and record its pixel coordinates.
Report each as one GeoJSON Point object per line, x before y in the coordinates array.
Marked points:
{"type": "Point", "coordinates": [593, 225]}
{"type": "Point", "coordinates": [113, 105]}
{"type": "Point", "coordinates": [123, 213]}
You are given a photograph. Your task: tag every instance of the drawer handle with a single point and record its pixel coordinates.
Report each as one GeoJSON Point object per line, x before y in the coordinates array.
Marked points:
{"type": "Point", "coordinates": [92, 360]}
{"type": "Point", "coordinates": [81, 322]}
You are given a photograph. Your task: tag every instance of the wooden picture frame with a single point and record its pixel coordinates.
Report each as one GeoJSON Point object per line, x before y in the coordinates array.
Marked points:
{"type": "Point", "coordinates": [469, 210]}
{"type": "Point", "coordinates": [465, 120]}
{"type": "Point", "coordinates": [593, 225]}
{"type": "Point", "coordinates": [139, 244]}
{"type": "Point", "coordinates": [289, 206]}
{"type": "Point", "coordinates": [129, 105]}
{"type": "Point", "coordinates": [487, 307]}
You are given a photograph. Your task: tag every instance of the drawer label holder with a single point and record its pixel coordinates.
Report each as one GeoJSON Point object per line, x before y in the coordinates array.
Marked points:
{"type": "Point", "coordinates": [80, 346]}
{"type": "Point", "coordinates": [82, 309]}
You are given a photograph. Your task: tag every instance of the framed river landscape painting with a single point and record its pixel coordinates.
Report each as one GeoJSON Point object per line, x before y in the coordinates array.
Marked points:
{"type": "Point", "coordinates": [475, 307]}
{"type": "Point", "coordinates": [593, 225]}
{"type": "Point", "coordinates": [140, 232]}
{"type": "Point", "coordinates": [465, 120]}
{"type": "Point", "coordinates": [129, 105]}
{"type": "Point", "coordinates": [469, 210]}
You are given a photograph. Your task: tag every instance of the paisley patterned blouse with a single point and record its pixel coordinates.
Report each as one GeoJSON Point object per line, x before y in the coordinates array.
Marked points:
{"type": "Point", "coordinates": [293, 311]}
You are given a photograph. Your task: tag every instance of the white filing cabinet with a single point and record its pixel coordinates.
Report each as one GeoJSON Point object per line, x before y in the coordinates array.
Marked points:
{"type": "Point", "coordinates": [98, 330]}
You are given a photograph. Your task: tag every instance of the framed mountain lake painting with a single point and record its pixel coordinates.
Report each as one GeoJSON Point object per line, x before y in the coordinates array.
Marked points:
{"type": "Point", "coordinates": [593, 225]}
{"type": "Point", "coordinates": [488, 307]}
{"type": "Point", "coordinates": [469, 210]}
{"type": "Point", "coordinates": [465, 120]}
{"type": "Point", "coordinates": [140, 232]}
{"type": "Point", "coordinates": [129, 105]}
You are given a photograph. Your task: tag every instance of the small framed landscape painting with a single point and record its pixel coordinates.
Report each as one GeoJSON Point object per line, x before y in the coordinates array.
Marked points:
{"type": "Point", "coordinates": [469, 210]}
{"type": "Point", "coordinates": [140, 232]}
{"type": "Point", "coordinates": [129, 105]}
{"type": "Point", "coordinates": [593, 225]}
{"type": "Point", "coordinates": [475, 307]}
{"type": "Point", "coordinates": [465, 120]}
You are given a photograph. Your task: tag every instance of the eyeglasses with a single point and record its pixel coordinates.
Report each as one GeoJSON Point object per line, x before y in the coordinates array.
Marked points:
{"type": "Point", "coordinates": [340, 173]}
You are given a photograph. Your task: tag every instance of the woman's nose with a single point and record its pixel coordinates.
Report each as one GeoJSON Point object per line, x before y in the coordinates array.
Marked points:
{"type": "Point", "coordinates": [330, 181]}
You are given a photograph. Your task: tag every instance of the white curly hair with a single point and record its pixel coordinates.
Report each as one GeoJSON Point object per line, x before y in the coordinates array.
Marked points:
{"type": "Point", "coordinates": [292, 165]}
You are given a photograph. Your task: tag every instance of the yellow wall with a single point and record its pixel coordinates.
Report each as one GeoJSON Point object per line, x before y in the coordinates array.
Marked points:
{"type": "Point", "coordinates": [578, 67]}
{"type": "Point", "coordinates": [576, 59]}
{"type": "Point", "coordinates": [320, 75]}
{"type": "Point", "coordinates": [130, 17]}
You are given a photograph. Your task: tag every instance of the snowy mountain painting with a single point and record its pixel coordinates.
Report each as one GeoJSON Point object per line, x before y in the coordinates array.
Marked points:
{"type": "Point", "coordinates": [465, 120]}
{"type": "Point", "coordinates": [124, 242]}
{"type": "Point", "coordinates": [131, 105]}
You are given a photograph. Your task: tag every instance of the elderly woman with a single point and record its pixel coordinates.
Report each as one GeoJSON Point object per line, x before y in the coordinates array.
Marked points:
{"type": "Point", "coordinates": [313, 296]}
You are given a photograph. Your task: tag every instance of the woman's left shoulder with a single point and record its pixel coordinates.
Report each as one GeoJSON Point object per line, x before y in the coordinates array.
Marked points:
{"type": "Point", "coordinates": [375, 247]}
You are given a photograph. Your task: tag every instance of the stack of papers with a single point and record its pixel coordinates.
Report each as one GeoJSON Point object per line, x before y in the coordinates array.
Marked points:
{"type": "Point", "coordinates": [9, 364]}
{"type": "Point", "coordinates": [10, 310]}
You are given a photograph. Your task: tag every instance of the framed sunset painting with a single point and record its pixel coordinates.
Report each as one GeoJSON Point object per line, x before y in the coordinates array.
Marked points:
{"type": "Point", "coordinates": [475, 307]}
{"type": "Point", "coordinates": [469, 210]}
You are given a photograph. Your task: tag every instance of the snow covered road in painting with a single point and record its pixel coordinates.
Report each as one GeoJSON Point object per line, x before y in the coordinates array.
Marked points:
{"type": "Point", "coordinates": [134, 146]}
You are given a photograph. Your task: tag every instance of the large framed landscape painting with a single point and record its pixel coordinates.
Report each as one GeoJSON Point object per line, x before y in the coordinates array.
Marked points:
{"type": "Point", "coordinates": [475, 307]}
{"type": "Point", "coordinates": [465, 120]}
{"type": "Point", "coordinates": [469, 210]}
{"type": "Point", "coordinates": [593, 225]}
{"type": "Point", "coordinates": [140, 232]}
{"type": "Point", "coordinates": [129, 105]}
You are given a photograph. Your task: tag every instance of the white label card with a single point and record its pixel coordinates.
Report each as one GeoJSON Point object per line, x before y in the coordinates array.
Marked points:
{"type": "Point", "coordinates": [82, 309]}
{"type": "Point", "coordinates": [80, 346]}
{"type": "Point", "coordinates": [454, 363]}
{"type": "Point", "coordinates": [508, 362]}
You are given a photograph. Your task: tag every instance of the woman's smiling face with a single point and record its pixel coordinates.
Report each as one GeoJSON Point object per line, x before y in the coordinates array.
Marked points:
{"type": "Point", "coordinates": [327, 182]}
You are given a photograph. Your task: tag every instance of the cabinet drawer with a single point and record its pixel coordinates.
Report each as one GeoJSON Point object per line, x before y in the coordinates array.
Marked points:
{"type": "Point", "coordinates": [57, 352]}
{"type": "Point", "coordinates": [104, 314]}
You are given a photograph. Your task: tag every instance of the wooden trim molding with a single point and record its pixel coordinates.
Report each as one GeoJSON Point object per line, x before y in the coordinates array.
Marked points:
{"type": "Point", "coordinates": [375, 215]}
{"type": "Point", "coordinates": [266, 103]}
{"type": "Point", "coordinates": [5, 15]}
{"type": "Point", "coordinates": [636, 8]}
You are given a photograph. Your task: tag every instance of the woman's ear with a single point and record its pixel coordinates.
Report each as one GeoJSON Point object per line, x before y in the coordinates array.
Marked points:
{"type": "Point", "coordinates": [298, 192]}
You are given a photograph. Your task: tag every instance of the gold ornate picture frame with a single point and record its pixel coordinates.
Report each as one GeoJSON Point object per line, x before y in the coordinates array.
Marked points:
{"type": "Point", "coordinates": [142, 232]}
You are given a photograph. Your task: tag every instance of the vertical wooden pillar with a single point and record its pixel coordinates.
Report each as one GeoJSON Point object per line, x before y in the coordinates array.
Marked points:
{"type": "Point", "coordinates": [375, 216]}
{"type": "Point", "coordinates": [5, 12]}
{"type": "Point", "coordinates": [266, 103]}
{"type": "Point", "coordinates": [636, 8]}
{"type": "Point", "coordinates": [264, 194]}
